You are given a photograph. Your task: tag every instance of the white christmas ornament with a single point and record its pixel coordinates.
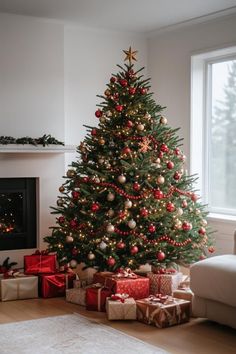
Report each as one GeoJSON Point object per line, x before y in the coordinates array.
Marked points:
{"type": "Point", "coordinates": [101, 161]}
{"type": "Point", "coordinates": [179, 211]}
{"type": "Point", "coordinates": [131, 224]}
{"type": "Point", "coordinates": [121, 179]}
{"type": "Point", "coordinates": [103, 245]}
{"type": "Point", "coordinates": [91, 256]}
{"type": "Point", "coordinates": [160, 179]}
{"type": "Point", "coordinates": [110, 197]}
{"type": "Point", "coordinates": [163, 120]}
{"type": "Point", "coordinates": [204, 222]}
{"type": "Point", "coordinates": [110, 228]}
{"type": "Point", "coordinates": [73, 263]}
{"type": "Point", "coordinates": [69, 239]}
{"type": "Point", "coordinates": [128, 204]}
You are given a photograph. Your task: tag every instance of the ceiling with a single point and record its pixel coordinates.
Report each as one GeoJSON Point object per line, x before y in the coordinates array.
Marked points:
{"type": "Point", "coordinates": [121, 15]}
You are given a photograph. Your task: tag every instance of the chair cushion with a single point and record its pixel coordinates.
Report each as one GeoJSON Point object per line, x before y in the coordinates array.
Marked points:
{"type": "Point", "coordinates": [215, 278]}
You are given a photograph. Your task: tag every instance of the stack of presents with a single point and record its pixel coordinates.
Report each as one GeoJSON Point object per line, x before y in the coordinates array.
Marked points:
{"type": "Point", "coordinates": [160, 298]}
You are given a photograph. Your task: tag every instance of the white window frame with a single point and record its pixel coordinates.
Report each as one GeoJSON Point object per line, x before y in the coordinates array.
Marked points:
{"type": "Point", "coordinates": [200, 122]}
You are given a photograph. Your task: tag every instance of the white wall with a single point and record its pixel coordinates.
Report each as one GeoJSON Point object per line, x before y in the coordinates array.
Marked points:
{"type": "Point", "coordinates": [169, 64]}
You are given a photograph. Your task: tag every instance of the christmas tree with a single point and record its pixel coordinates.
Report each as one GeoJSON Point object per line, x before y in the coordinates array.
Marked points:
{"type": "Point", "coordinates": [127, 201]}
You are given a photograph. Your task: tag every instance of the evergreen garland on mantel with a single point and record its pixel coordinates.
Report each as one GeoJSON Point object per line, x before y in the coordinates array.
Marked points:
{"type": "Point", "coordinates": [44, 140]}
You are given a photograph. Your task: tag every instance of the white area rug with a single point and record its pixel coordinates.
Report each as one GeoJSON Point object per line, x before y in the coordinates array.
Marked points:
{"type": "Point", "coordinates": [69, 334]}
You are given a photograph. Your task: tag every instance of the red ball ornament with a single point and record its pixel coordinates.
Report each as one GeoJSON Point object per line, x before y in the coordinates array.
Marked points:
{"type": "Point", "coordinates": [177, 151]}
{"type": "Point", "coordinates": [129, 124]}
{"type": "Point", "coordinates": [61, 219]}
{"type": "Point", "coordinates": [152, 228]}
{"type": "Point", "coordinates": [158, 194]}
{"type": "Point", "coordinates": [123, 82]}
{"type": "Point", "coordinates": [170, 165]}
{"type": "Point", "coordinates": [85, 179]}
{"type": "Point", "coordinates": [73, 223]}
{"type": "Point", "coordinates": [144, 212]}
{"type": "Point", "coordinates": [130, 74]}
{"type": "Point", "coordinates": [115, 96]}
{"type": "Point", "coordinates": [211, 249]}
{"type": "Point", "coordinates": [119, 108]}
{"type": "Point", "coordinates": [160, 155]}
{"type": "Point", "coordinates": [113, 79]}
{"type": "Point", "coordinates": [94, 132]}
{"type": "Point", "coordinates": [177, 175]}
{"type": "Point", "coordinates": [120, 245]}
{"type": "Point", "coordinates": [186, 226]}
{"type": "Point", "coordinates": [170, 207]}
{"type": "Point", "coordinates": [194, 197]}
{"type": "Point", "coordinates": [164, 148]}
{"type": "Point", "coordinates": [184, 204]}
{"type": "Point", "coordinates": [132, 90]}
{"type": "Point", "coordinates": [111, 261]}
{"type": "Point", "coordinates": [143, 91]}
{"type": "Point", "coordinates": [202, 231]}
{"type": "Point", "coordinates": [136, 186]}
{"type": "Point", "coordinates": [98, 113]}
{"type": "Point", "coordinates": [126, 150]}
{"type": "Point", "coordinates": [75, 194]}
{"type": "Point", "coordinates": [160, 256]}
{"type": "Point", "coordinates": [134, 250]}
{"type": "Point", "coordinates": [95, 207]}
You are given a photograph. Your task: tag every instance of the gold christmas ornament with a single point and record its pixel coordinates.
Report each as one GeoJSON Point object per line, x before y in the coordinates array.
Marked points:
{"type": "Point", "coordinates": [70, 173]}
{"type": "Point", "coordinates": [101, 141]}
{"type": "Point", "coordinates": [121, 179]}
{"type": "Point", "coordinates": [91, 256]}
{"type": "Point", "coordinates": [73, 263]}
{"type": "Point", "coordinates": [107, 93]}
{"type": "Point", "coordinates": [160, 179]}
{"type": "Point", "coordinates": [61, 189]}
{"type": "Point", "coordinates": [110, 228]}
{"type": "Point", "coordinates": [140, 127]}
{"type": "Point", "coordinates": [128, 204]}
{"type": "Point", "coordinates": [110, 213]}
{"type": "Point", "coordinates": [102, 119]}
{"type": "Point", "coordinates": [163, 120]}
{"type": "Point", "coordinates": [69, 239]}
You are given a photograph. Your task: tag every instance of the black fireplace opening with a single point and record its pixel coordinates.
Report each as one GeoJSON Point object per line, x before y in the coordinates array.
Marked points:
{"type": "Point", "coordinates": [18, 213]}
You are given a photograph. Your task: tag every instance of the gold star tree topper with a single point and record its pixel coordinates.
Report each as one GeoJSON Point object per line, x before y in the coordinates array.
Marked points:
{"type": "Point", "coordinates": [130, 55]}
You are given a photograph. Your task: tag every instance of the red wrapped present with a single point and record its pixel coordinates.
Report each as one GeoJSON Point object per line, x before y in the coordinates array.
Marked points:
{"type": "Point", "coordinates": [54, 285]}
{"type": "Point", "coordinates": [96, 297]}
{"type": "Point", "coordinates": [40, 263]}
{"type": "Point", "coordinates": [136, 287]}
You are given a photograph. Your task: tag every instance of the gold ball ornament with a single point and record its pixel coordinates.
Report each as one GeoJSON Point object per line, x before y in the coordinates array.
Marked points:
{"type": "Point", "coordinates": [73, 263]}
{"type": "Point", "coordinates": [60, 202]}
{"type": "Point", "coordinates": [163, 120]}
{"type": "Point", "coordinates": [147, 116]}
{"type": "Point", "coordinates": [110, 213]}
{"type": "Point", "coordinates": [204, 222]}
{"type": "Point", "coordinates": [69, 239]}
{"type": "Point", "coordinates": [109, 114]}
{"type": "Point", "coordinates": [128, 204]}
{"type": "Point", "coordinates": [110, 197]}
{"type": "Point", "coordinates": [140, 127]}
{"type": "Point", "coordinates": [102, 119]}
{"type": "Point", "coordinates": [61, 189]}
{"type": "Point", "coordinates": [107, 93]}
{"type": "Point", "coordinates": [178, 224]}
{"type": "Point", "coordinates": [110, 228]}
{"type": "Point", "coordinates": [91, 256]}
{"type": "Point", "coordinates": [121, 179]}
{"type": "Point", "coordinates": [101, 141]}
{"type": "Point", "coordinates": [160, 179]}
{"type": "Point", "coordinates": [100, 161]}
{"type": "Point", "coordinates": [70, 173]}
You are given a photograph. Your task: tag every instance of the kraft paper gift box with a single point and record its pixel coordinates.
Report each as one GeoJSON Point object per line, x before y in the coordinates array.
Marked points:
{"type": "Point", "coordinates": [38, 263]}
{"type": "Point", "coordinates": [164, 283]}
{"type": "Point", "coordinates": [118, 310]}
{"type": "Point", "coordinates": [20, 287]}
{"type": "Point", "coordinates": [138, 287]}
{"type": "Point", "coordinates": [76, 296]}
{"type": "Point", "coordinates": [173, 312]}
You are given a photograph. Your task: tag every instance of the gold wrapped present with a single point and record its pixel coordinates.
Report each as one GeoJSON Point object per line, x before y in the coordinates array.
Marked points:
{"type": "Point", "coordinates": [164, 283]}
{"type": "Point", "coordinates": [76, 296]}
{"type": "Point", "coordinates": [19, 287]}
{"type": "Point", "coordinates": [119, 309]}
{"type": "Point", "coordinates": [174, 311]}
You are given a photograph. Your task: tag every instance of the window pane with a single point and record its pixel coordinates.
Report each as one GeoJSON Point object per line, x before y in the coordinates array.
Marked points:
{"type": "Point", "coordinates": [222, 137]}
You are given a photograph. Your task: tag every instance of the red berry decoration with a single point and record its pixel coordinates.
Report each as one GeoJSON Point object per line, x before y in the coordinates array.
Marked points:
{"type": "Point", "coordinates": [126, 150]}
{"type": "Point", "coordinates": [119, 108]}
{"type": "Point", "coordinates": [170, 207]}
{"type": "Point", "coordinates": [134, 250]}
{"type": "Point", "coordinates": [73, 223]}
{"type": "Point", "coordinates": [136, 186]}
{"type": "Point", "coordinates": [143, 91]}
{"type": "Point", "coordinates": [61, 219]}
{"type": "Point", "coordinates": [111, 261]}
{"type": "Point", "coordinates": [94, 132]}
{"type": "Point", "coordinates": [120, 245]}
{"type": "Point", "coordinates": [177, 175]}
{"type": "Point", "coordinates": [123, 82]}
{"type": "Point", "coordinates": [186, 226]}
{"type": "Point", "coordinates": [160, 256]}
{"type": "Point", "coordinates": [170, 165]}
{"type": "Point", "coordinates": [132, 90]}
{"type": "Point", "coordinates": [158, 194]}
{"type": "Point", "coordinates": [98, 113]}
{"type": "Point", "coordinates": [115, 96]}
{"type": "Point", "coordinates": [113, 79]}
{"type": "Point", "coordinates": [164, 148]}
{"type": "Point", "coordinates": [129, 124]}
{"type": "Point", "coordinates": [144, 212]}
{"type": "Point", "coordinates": [202, 231]}
{"type": "Point", "coordinates": [130, 74]}
{"type": "Point", "coordinates": [152, 228]}
{"type": "Point", "coordinates": [95, 207]}
{"type": "Point", "coordinates": [75, 194]}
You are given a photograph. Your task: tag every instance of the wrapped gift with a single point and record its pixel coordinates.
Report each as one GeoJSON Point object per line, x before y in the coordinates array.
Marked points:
{"type": "Point", "coordinates": [184, 293]}
{"type": "Point", "coordinates": [164, 283]}
{"type": "Point", "coordinates": [96, 297]}
{"type": "Point", "coordinates": [54, 285]}
{"type": "Point", "coordinates": [172, 312]}
{"type": "Point", "coordinates": [77, 283]}
{"type": "Point", "coordinates": [136, 287]}
{"type": "Point", "coordinates": [19, 287]}
{"type": "Point", "coordinates": [39, 263]}
{"type": "Point", "coordinates": [76, 296]}
{"type": "Point", "coordinates": [185, 282]}
{"type": "Point", "coordinates": [120, 308]}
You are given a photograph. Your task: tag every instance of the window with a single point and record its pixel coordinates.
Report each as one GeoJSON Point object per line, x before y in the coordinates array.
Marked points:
{"type": "Point", "coordinates": [213, 128]}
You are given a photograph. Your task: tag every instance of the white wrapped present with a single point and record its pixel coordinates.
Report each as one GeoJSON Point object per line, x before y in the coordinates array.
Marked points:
{"type": "Point", "coordinates": [19, 287]}
{"type": "Point", "coordinates": [121, 309]}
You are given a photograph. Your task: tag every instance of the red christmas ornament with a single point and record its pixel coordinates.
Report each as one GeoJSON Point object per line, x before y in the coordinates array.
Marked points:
{"type": "Point", "coordinates": [160, 256]}
{"type": "Point", "coordinates": [202, 231]}
{"type": "Point", "coordinates": [119, 108]}
{"type": "Point", "coordinates": [75, 194]}
{"type": "Point", "coordinates": [130, 74]}
{"type": "Point", "coordinates": [113, 79]}
{"type": "Point", "coordinates": [115, 96]}
{"type": "Point", "coordinates": [164, 148]}
{"type": "Point", "coordinates": [194, 197]}
{"type": "Point", "coordinates": [85, 179]}
{"type": "Point", "coordinates": [186, 226]}
{"type": "Point", "coordinates": [129, 124]}
{"type": "Point", "coordinates": [120, 245]}
{"type": "Point", "coordinates": [177, 175]}
{"type": "Point", "coordinates": [152, 228]}
{"type": "Point", "coordinates": [160, 155]}
{"type": "Point", "coordinates": [211, 249]}
{"type": "Point", "coordinates": [144, 212]}
{"type": "Point", "coordinates": [170, 165]}
{"type": "Point", "coordinates": [111, 261]}
{"type": "Point", "coordinates": [170, 207]}
{"type": "Point", "coordinates": [95, 207]}
{"type": "Point", "coordinates": [134, 250]}
{"type": "Point", "coordinates": [177, 151]}
{"type": "Point", "coordinates": [143, 91]}
{"type": "Point", "coordinates": [123, 82]}
{"type": "Point", "coordinates": [184, 204]}
{"type": "Point", "coordinates": [158, 194]}
{"type": "Point", "coordinates": [126, 150]}
{"type": "Point", "coordinates": [73, 224]}
{"type": "Point", "coordinates": [61, 219]}
{"type": "Point", "coordinates": [94, 132]}
{"type": "Point", "coordinates": [98, 113]}
{"type": "Point", "coordinates": [74, 252]}
{"type": "Point", "coordinates": [132, 90]}
{"type": "Point", "coordinates": [136, 186]}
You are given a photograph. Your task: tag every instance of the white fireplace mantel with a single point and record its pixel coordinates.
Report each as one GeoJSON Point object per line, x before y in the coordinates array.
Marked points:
{"type": "Point", "coordinates": [53, 149]}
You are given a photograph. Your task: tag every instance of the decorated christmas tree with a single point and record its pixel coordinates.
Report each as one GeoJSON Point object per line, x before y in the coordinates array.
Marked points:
{"type": "Point", "coordinates": [128, 201]}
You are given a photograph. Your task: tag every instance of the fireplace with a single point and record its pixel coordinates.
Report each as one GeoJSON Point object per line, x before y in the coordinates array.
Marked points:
{"type": "Point", "coordinates": [18, 213]}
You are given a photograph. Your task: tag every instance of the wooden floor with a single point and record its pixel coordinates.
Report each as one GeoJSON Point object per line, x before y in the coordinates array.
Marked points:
{"type": "Point", "coordinates": [196, 337]}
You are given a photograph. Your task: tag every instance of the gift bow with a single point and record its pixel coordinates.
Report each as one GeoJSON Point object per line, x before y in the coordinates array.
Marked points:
{"type": "Point", "coordinates": [125, 273]}
{"type": "Point", "coordinates": [119, 297]}
{"type": "Point", "coordinates": [165, 271]}
{"type": "Point", "coordinates": [159, 298]}
{"type": "Point", "coordinates": [40, 253]}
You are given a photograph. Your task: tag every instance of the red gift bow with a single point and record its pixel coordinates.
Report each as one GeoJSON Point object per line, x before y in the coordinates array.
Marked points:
{"type": "Point", "coordinates": [119, 297]}
{"type": "Point", "coordinates": [158, 298]}
{"type": "Point", "coordinates": [12, 273]}
{"type": "Point", "coordinates": [40, 253]}
{"type": "Point", "coordinates": [125, 273]}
